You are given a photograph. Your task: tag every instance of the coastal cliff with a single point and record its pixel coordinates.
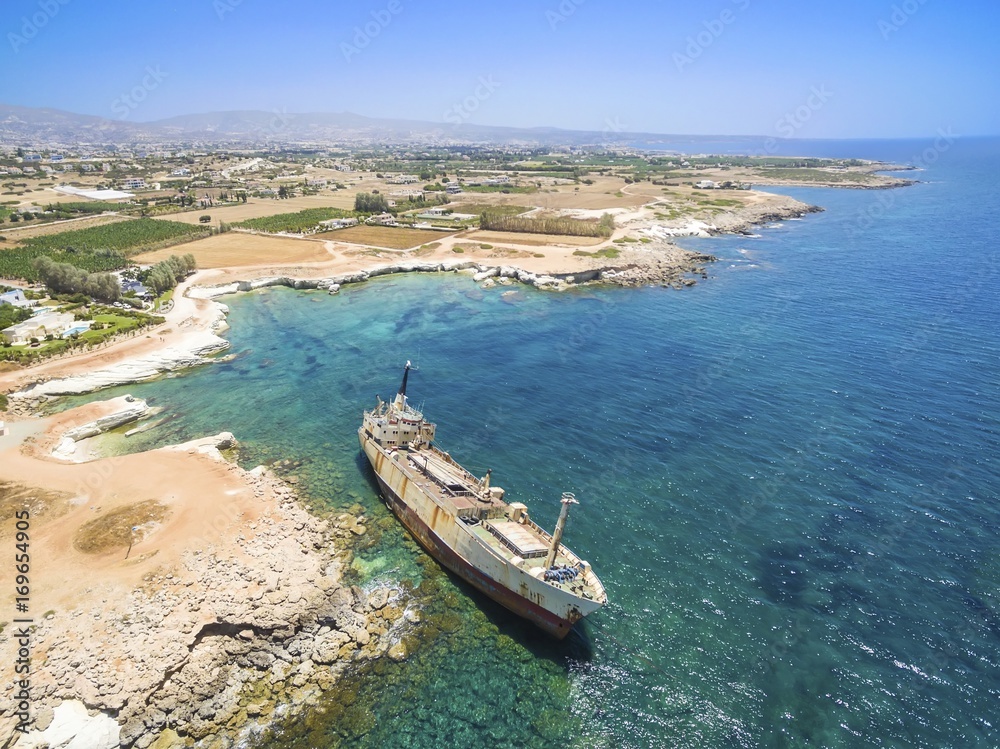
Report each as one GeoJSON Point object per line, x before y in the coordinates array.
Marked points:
{"type": "Point", "coordinates": [199, 630]}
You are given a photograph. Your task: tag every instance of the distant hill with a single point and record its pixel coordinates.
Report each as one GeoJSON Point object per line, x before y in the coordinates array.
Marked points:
{"type": "Point", "coordinates": [19, 124]}
{"type": "Point", "coordinates": [26, 125]}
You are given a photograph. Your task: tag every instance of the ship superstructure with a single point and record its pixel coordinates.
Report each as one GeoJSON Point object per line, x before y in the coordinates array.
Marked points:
{"type": "Point", "coordinates": [464, 522]}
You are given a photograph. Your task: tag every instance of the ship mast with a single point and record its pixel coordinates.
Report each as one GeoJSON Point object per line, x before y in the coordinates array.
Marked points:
{"type": "Point", "coordinates": [567, 500]}
{"type": "Point", "coordinates": [400, 402]}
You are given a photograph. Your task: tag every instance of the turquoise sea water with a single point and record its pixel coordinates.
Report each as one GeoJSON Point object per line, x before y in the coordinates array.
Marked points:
{"type": "Point", "coordinates": [788, 480]}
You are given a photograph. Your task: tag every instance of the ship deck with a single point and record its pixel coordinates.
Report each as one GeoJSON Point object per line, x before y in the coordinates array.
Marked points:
{"type": "Point", "coordinates": [458, 493]}
{"type": "Point", "coordinates": [454, 488]}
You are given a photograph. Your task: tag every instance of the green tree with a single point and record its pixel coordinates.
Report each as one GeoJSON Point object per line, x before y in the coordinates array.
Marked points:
{"type": "Point", "coordinates": [366, 202]}
{"type": "Point", "coordinates": [63, 278]}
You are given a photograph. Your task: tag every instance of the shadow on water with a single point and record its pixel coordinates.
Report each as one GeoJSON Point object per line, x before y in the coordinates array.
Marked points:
{"type": "Point", "coordinates": [986, 615]}
{"type": "Point", "coordinates": [782, 573]}
{"type": "Point", "coordinates": [472, 670]}
{"type": "Point", "coordinates": [576, 646]}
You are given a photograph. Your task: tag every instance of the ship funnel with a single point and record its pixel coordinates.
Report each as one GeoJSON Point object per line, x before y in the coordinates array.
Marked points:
{"type": "Point", "coordinates": [400, 401]}
{"type": "Point", "coordinates": [567, 500]}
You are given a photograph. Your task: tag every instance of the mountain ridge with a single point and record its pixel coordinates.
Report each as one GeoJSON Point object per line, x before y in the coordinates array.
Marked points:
{"type": "Point", "coordinates": [21, 125]}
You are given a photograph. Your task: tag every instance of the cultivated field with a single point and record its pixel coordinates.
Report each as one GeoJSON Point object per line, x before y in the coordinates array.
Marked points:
{"type": "Point", "coordinates": [604, 193]}
{"type": "Point", "coordinates": [506, 209]}
{"type": "Point", "coordinates": [237, 249]}
{"type": "Point", "coordinates": [391, 237]}
{"type": "Point", "coordinates": [258, 207]}
{"type": "Point", "coordinates": [16, 234]}
{"type": "Point", "coordinates": [49, 195]}
{"type": "Point", "coordinates": [534, 240]}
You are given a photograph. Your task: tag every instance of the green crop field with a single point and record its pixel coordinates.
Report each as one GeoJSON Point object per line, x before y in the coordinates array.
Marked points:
{"type": "Point", "coordinates": [294, 223]}
{"type": "Point", "coordinates": [127, 237]}
{"type": "Point", "coordinates": [97, 248]}
{"type": "Point", "coordinates": [83, 208]}
{"type": "Point", "coordinates": [480, 208]}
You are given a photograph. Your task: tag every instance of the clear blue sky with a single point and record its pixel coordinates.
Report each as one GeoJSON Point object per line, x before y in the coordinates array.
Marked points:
{"type": "Point", "coordinates": [899, 68]}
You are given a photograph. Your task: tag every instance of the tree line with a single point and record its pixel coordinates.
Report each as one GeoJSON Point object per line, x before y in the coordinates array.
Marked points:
{"type": "Point", "coordinates": [497, 221]}
{"type": "Point", "coordinates": [63, 278]}
{"type": "Point", "coordinates": [367, 202]}
{"type": "Point", "coordinates": [166, 274]}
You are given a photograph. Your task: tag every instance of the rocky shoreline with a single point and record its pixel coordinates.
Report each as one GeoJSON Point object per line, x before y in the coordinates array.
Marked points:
{"type": "Point", "coordinates": [197, 348]}
{"type": "Point", "coordinates": [662, 264]}
{"type": "Point", "coordinates": [745, 220]}
{"type": "Point", "coordinates": [247, 627]}
{"type": "Point", "coordinates": [209, 650]}
{"type": "Point", "coordinates": [657, 261]}
{"type": "Point", "coordinates": [662, 271]}
{"type": "Point", "coordinates": [126, 410]}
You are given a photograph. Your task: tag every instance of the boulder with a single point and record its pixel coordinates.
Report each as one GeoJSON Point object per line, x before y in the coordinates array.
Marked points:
{"type": "Point", "coordinates": [73, 728]}
{"type": "Point", "coordinates": [132, 412]}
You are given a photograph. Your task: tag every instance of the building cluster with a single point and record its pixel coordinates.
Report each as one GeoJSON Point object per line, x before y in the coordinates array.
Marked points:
{"type": "Point", "coordinates": [39, 327]}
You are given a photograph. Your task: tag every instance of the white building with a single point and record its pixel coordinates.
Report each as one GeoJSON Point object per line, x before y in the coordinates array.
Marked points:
{"type": "Point", "coordinates": [339, 223]}
{"type": "Point", "coordinates": [49, 324]}
{"type": "Point", "coordinates": [382, 219]}
{"type": "Point", "coordinates": [16, 298]}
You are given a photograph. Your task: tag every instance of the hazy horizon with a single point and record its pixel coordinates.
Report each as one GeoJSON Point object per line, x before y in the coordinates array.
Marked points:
{"type": "Point", "coordinates": [863, 70]}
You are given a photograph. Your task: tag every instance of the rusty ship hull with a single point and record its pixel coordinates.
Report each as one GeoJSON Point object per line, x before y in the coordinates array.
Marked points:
{"type": "Point", "coordinates": [468, 527]}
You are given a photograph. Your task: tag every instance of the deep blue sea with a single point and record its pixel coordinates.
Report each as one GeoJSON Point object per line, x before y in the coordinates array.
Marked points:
{"type": "Point", "coordinates": [788, 478]}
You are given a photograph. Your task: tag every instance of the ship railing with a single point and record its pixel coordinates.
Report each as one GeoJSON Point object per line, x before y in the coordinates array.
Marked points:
{"type": "Point", "coordinates": [438, 481]}
{"type": "Point", "coordinates": [590, 580]}
{"type": "Point", "coordinates": [451, 461]}
{"type": "Point", "coordinates": [595, 585]}
{"type": "Point", "coordinates": [563, 551]}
